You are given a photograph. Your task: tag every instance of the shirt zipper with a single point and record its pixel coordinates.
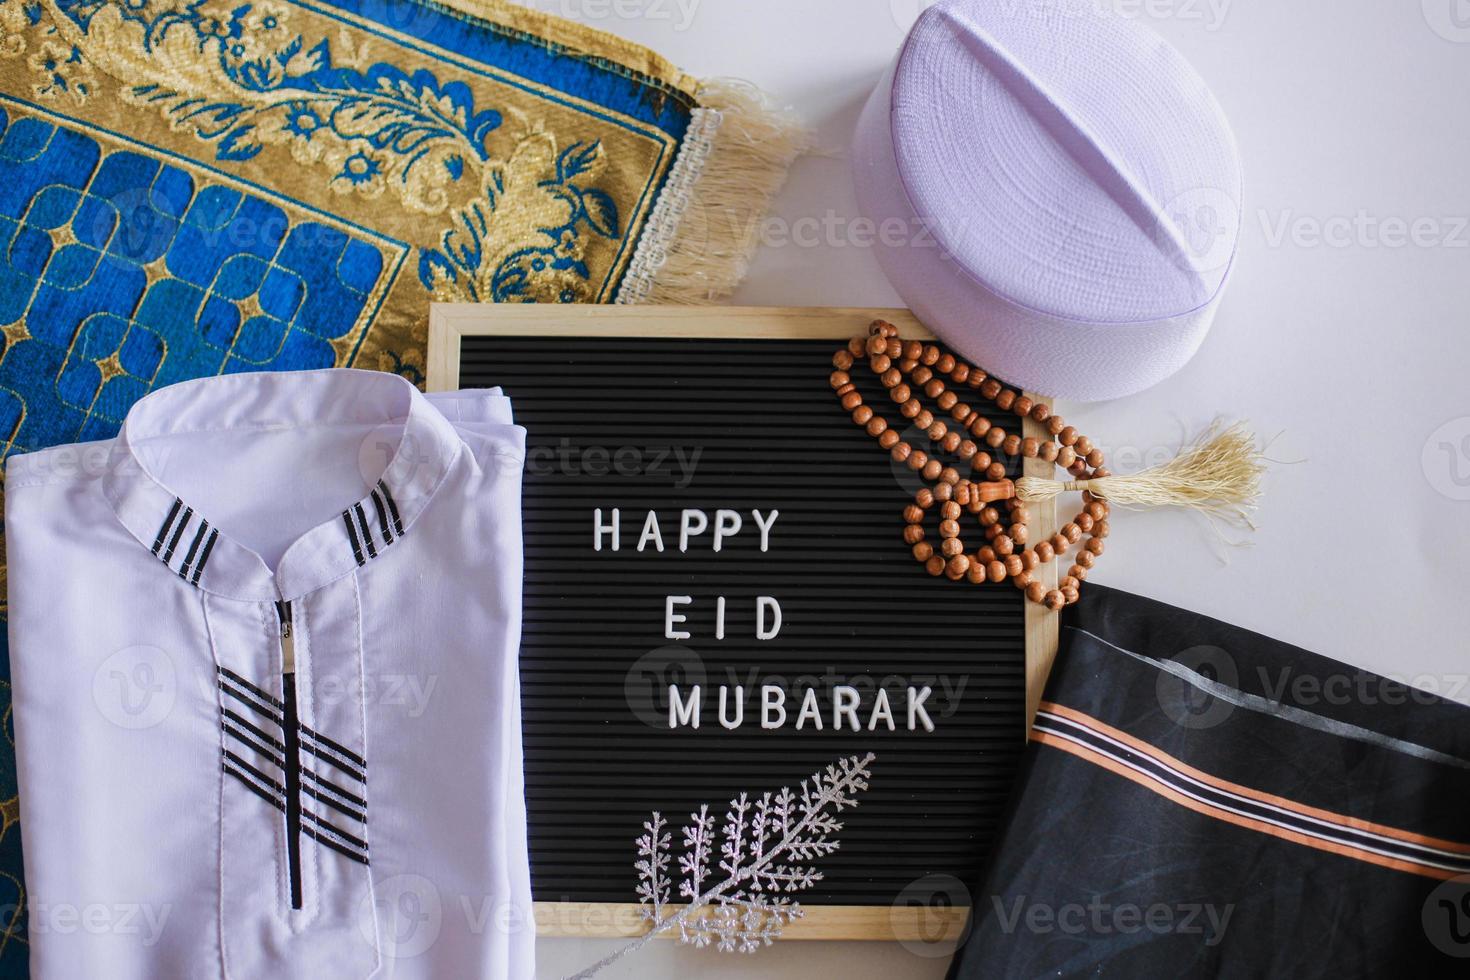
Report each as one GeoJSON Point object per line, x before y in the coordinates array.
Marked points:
{"type": "Point", "coordinates": [293, 754]}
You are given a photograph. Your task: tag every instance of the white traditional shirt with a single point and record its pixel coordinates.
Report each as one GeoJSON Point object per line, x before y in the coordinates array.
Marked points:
{"type": "Point", "coordinates": [267, 712]}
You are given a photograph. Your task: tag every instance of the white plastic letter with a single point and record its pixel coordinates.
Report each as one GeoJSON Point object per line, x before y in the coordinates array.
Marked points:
{"type": "Point", "coordinates": [917, 712]}
{"type": "Point", "coordinates": [672, 619]}
{"type": "Point", "coordinates": [599, 529]}
{"type": "Point", "coordinates": [845, 701]}
{"type": "Point", "coordinates": [882, 711]}
{"type": "Point", "coordinates": [765, 526]}
{"type": "Point", "coordinates": [692, 524]}
{"type": "Point", "coordinates": [686, 712]}
{"type": "Point", "coordinates": [725, 721]}
{"type": "Point", "coordinates": [727, 524]}
{"type": "Point", "coordinates": [651, 532]}
{"type": "Point", "coordinates": [809, 709]}
{"type": "Point", "coordinates": [762, 604]}
{"type": "Point", "coordinates": [773, 702]}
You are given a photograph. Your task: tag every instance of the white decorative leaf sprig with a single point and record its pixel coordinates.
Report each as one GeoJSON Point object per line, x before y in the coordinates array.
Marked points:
{"type": "Point", "coordinates": [762, 854]}
{"type": "Point", "coordinates": [653, 869]}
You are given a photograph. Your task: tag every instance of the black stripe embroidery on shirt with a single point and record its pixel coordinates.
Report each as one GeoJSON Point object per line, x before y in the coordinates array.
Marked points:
{"type": "Point", "coordinates": [173, 542]}
{"type": "Point", "coordinates": [246, 734]}
{"type": "Point", "coordinates": [344, 803]}
{"type": "Point", "coordinates": [276, 801]}
{"type": "Point", "coordinates": [369, 538]}
{"type": "Point", "coordinates": [341, 849]}
{"type": "Point", "coordinates": [336, 747]}
{"type": "Point", "coordinates": [255, 730]}
{"type": "Point", "coordinates": [227, 688]}
{"type": "Point", "coordinates": [272, 792]}
{"type": "Point", "coordinates": [329, 836]}
{"type": "Point", "coordinates": [352, 534]}
{"type": "Point", "coordinates": [250, 743]}
{"type": "Point", "coordinates": [321, 830]}
{"type": "Point", "coordinates": [259, 692]}
{"type": "Point", "coordinates": [204, 558]}
{"type": "Point", "coordinates": [336, 763]}
{"type": "Point", "coordinates": [336, 831]}
{"type": "Point", "coordinates": [340, 807]}
{"type": "Point", "coordinates": [367, 532]}
{"type": "Point", "coordinates": [171, 536]}
{"type": "Point", "coordinates": [262, 744]}
{"type": "Point", "coordinates": [382, 518]}
{"type": "Point", "coordinates": [269, 748]}
{"type": "Point", "coordinates": [168, 522]}
{"type": "Point", "coordinates": [392, 507]}
{"type": "Point", "coordinates": [315, 744]}
{"type": "Point", "coordinates": [193, 549]}
{"type": "Point", "coordinates": [262, 777]}
{"type": "Point", "coordinates": [333, 788]}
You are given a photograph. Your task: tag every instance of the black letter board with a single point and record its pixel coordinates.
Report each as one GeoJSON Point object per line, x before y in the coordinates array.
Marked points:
{"type": "Point", "coordinates": [727, 411]}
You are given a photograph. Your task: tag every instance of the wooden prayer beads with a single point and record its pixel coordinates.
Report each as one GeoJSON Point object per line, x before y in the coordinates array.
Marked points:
{"type": "Point", "coordinates": [908, 369]}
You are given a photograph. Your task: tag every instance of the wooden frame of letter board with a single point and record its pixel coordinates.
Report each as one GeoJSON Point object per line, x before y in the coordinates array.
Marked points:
{"type": "Point", "coordinates": [448, 323]}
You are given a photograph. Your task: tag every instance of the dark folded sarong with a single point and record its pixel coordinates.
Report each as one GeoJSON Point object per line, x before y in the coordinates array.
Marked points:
{"type": "Point", "coordinates": [1201, 801]}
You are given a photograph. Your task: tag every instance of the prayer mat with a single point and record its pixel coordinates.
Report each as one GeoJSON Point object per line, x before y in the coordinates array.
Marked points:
{"type": "Point", "coordinates": [198, 187]}
{"type": "Point", "coordinates": [1201, 801]}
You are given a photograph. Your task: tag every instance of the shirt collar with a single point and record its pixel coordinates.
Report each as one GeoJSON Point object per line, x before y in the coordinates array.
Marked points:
{"type": "Point", "coordinates": [179, 533]}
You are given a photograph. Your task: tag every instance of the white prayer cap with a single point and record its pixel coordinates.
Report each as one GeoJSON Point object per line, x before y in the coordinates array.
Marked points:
{"type": "Point", "coordinates": [1070, 187]}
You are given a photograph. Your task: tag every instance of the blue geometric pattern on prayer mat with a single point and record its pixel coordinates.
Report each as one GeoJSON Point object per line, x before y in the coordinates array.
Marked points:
{"type": "Point", "coordinates": [160, 298]}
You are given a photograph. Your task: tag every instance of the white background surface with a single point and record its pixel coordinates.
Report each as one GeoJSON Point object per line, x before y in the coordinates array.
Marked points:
{"type": "Point", "coordinates": [1344, 331]}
